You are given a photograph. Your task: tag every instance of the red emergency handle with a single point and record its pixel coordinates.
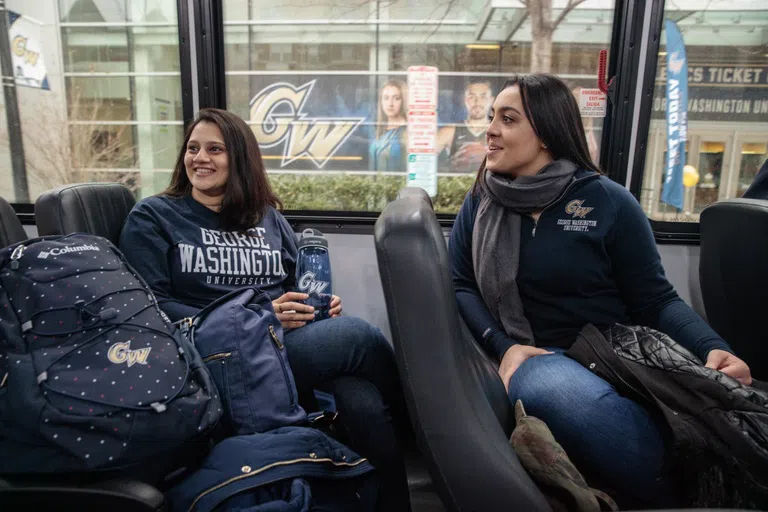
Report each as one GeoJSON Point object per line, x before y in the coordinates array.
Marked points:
{"type": "Point", "coordinates": [601, 72]}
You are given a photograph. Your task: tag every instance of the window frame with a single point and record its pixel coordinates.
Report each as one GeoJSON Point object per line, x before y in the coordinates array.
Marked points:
{"type": "Point", "coordinates": [665, 232]}
{"type": "Point", "coordinates": [627, 30]}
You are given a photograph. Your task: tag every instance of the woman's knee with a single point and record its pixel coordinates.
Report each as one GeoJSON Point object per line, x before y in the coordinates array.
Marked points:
{"type": "Point", "coordinates": [362, 335]}
{"type": "Point", "coordinates": [557, 384]}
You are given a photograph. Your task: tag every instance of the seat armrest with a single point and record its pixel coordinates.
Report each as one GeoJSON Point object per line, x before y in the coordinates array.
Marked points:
{"type": "Point", "coordinates": [115, 495]}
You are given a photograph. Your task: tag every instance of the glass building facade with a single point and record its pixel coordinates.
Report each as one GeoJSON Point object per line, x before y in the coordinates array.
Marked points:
{"type": "Point", "coordinates": [324, 86]}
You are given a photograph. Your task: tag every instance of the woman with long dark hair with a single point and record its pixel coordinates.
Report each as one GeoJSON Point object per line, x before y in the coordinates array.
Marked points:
{"type": "Point", "coordinates": [543, 245]}
{"type": "Point", "coordinates": [216, 229]}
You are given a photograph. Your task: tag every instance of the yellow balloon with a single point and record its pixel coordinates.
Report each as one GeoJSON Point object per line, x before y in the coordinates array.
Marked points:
{"type": "Point", "coordinates": [690, 176]}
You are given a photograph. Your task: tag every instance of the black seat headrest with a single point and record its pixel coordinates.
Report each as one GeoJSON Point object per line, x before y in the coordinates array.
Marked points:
{"type": "Point", "coordinates": [733, 272]}
{"type": "Point", "coordinates": [415, 192]}
{"type": "Point", "coordinates": [11, 230]}
{"type": "Point", "coordinates": [458, 405]}
{"type": "Point", "coordinates": [95, 208]}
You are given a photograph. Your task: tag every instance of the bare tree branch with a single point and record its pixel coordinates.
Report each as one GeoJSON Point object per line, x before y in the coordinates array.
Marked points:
{"type": "Point", "coordinates": [571, 5]}
{"type": "Point", "coordinates": [71, 153]}
{"type": "Point", "coordinates": [448, 7]}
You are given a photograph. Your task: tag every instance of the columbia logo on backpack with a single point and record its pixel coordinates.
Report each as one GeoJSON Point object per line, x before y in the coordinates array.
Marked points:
{"type": "Point", "coordinates": [92, 374]}
{"type": "Point", "coordinates": [65, 250]}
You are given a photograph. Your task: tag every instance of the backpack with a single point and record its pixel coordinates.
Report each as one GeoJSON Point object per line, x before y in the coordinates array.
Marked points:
{"type": "Point", "coordinates": [93, 375]}
{"type": "Point", "coordinates": [240, 340]}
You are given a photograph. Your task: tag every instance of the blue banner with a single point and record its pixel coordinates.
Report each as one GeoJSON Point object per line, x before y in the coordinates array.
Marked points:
{"type": "Point", "coordinates": [677, 115]}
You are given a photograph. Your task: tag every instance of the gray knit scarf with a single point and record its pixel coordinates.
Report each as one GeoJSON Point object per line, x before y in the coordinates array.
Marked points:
{"type": "Point", "coordinates": [496, 239]}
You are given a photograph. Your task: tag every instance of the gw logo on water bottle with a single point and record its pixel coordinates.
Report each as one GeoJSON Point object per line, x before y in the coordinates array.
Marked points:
{"type": "Point", "coordinates": [308, 284]}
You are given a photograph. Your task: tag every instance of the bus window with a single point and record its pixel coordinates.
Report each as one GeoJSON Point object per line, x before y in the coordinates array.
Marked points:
{"type": "Point", "coordinates": [726, 111]}
{"type": "Point", "coordinates": [98, 90]}
{"type": "Point", "coordinates": [326, 87]}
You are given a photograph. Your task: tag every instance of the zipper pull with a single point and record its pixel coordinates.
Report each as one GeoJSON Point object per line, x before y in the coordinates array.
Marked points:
{"type": "Point", "coordinates": [185, 325]}
{"type": "Point", "coordinates": [16, 255]}
{"type": "Point", "coordinates": [533, 233]}
{"type": "Point", "coordinates": [274, 337]}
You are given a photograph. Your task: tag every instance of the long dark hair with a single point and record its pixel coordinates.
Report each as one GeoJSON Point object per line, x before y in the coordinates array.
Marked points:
{"type": "Point", "coordinates": [554, 115]}
{"type": "Point", "coordinates": [247, 193]}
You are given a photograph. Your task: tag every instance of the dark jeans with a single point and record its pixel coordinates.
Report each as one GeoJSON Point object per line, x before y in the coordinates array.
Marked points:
{"type": "Point", "coordinates": [612, 440]}
{"type": "Point", "coordinates": [353, 360]}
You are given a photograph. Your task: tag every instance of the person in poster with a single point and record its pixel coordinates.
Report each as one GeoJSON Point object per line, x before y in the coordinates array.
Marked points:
{"type": "Point", "coordinates": [390, 149]}
{"type": "Point", "coordinates": [464, 144]}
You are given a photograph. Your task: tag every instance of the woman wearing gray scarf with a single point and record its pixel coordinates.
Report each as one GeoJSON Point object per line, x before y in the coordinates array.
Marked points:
{"type": "Point", "coordinates": [543, 245]}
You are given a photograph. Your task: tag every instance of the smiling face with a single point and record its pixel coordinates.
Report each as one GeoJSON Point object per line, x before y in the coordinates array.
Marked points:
{"type": "Point", "coordinates": [207, 163]}
{"type": "Point", "coordinates": [514, 149]}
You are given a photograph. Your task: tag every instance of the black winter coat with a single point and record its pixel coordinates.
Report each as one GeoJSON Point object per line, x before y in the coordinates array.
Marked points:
{"type": "Point", "coordinates": [716, 428]}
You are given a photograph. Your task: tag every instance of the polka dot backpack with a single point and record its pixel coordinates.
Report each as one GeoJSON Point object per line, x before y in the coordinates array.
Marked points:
{"type": "Point", "coordinates": [93, 375]}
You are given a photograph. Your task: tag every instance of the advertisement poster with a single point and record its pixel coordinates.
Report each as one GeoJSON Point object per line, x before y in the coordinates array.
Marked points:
{"type": "Point", "coordinates": [361, 123]}
{"type": "Point", "coordinates": [26, 52]}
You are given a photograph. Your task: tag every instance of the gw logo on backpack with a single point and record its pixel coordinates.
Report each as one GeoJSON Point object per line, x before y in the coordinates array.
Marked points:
{"type": "Point", "coordinates": [121, 353]}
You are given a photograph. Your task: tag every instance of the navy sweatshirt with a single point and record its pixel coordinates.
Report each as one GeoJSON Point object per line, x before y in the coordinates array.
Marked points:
{"type": "Point", "coordinates": [590, 258]}
{"type": "Point", "coordinates": [178, 247]}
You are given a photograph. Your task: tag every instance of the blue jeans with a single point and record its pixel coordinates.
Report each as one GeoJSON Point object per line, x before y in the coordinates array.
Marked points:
{"type": "Point", "coordinates": [612, 440]}
{"type": "Point", "coordinates": [350, 358]}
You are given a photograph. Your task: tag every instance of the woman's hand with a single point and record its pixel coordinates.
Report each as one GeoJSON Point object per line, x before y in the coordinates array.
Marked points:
{"type": "Point", "coordinates": [730, 365]}
{"type": "Point", "coordinates": [293, 314]}
{"type": "Point", "coordinates": [335, 306]}
{"type": "Point", "coordinates": [514, 357]}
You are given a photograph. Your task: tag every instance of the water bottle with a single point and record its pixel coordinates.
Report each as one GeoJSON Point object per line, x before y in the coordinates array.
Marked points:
{"type": "Point", "coordinates": [313, 271]}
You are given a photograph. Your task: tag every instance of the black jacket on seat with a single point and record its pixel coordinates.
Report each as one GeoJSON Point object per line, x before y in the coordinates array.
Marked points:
{"type": "Point", "coordinates": [716, 428]}
{"type": "Point", "coordinates": [759, 187]}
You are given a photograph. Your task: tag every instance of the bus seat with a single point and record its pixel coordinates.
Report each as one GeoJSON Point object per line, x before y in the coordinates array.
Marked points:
{"type": "Point", "coordinates": [11, 230]}
{"type": "Point", "coordinates": [733, 272]}
{"type": "Point", "coordinates": [457, 403]}
{"type": "Point", "coordinates": [95, 208]}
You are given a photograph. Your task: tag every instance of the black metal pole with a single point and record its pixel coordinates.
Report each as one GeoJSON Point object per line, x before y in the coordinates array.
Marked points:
{"type": "Point", "coordinates": [132, 88]}
{"type": "Point", "coordinates": [251, 92]}
{"type": "Point", "coordinates": [16, 144]}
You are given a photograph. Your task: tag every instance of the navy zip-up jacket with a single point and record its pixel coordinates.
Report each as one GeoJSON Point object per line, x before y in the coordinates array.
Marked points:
{"type": "Point", "coordinates": [590, 258]}
{"type": "Point", "coordinates": [285, 469]}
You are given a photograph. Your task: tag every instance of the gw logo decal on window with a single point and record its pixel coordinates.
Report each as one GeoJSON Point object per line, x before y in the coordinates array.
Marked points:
{"type": "Point", "coordinates": [277, 117]}
{"type": "Point", "coordinates": [121, 353]}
